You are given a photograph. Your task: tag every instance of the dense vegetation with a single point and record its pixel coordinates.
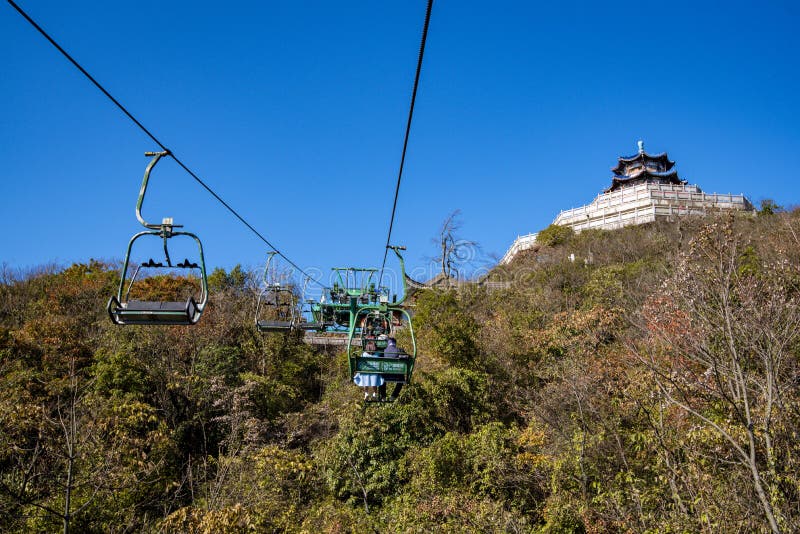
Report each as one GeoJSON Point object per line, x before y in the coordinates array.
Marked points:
{"type": "Point", "coordinates": [643, 379]}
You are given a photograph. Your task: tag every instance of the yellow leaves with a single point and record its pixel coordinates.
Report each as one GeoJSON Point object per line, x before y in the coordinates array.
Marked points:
{"type": "Point", "coordinates": [191, 520]}
{"type": "Point", "coordinates": [533, 460]}
{"type": "Point", "coordinates": [530, 442]}
{"type": "Point", "coordinates": [180, 381]}
{"type": "Point", "coordinates": [579, 330]}
{"type": "Point", "coordinates": [531, 437]}
{"type": "Point", "coordinates": [165, 288]}
{"type": "Point", "coordinates": [19, 417]}
{"type": "Point", "coordinates": [134, 414]}
{"type": "Point", "coordinates": [273, 462]}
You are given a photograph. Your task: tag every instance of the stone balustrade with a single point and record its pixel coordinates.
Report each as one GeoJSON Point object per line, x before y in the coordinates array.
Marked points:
{"type": "Point", "coordinates": [637, 204]}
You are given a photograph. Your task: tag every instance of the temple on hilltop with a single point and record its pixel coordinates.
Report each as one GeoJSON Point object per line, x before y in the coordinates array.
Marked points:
{"type": "Point", "coordinates": [644, 168]}
{"type": "Point", "coordinates": [644, 187]}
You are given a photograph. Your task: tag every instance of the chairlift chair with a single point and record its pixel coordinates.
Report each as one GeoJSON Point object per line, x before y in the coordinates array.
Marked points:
{"type": "Point", "coordinates": [352, 288]}
{"type": "Point", "coordinates": [280, 299]}
{"type": "Point", "coordinates": [366, 351]}
{"type": "Point", "coordinates": [126, 311]}
{"type": "Point", "coordinates": [365, 348]}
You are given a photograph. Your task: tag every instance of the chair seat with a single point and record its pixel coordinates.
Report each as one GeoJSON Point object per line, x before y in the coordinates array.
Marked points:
{"type": "Point", "coordinates": [143, 312]}
{"type": "Point", "coordinates": [266, 326]}
{"type": "Point", "coordinates": [143, 306]}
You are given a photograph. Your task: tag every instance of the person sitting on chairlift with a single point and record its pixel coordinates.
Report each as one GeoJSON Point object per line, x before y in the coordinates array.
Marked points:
{"type": "Point", "coordinates": [374, 385]}
{"type": "Point", "coordinates": [393, 351]}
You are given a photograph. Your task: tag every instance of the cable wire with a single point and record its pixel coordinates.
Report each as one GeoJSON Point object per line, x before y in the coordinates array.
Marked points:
{"type": "Point", "coordinates": [408, 131]}
{"type": "Point", "coordinates": [159, 143]}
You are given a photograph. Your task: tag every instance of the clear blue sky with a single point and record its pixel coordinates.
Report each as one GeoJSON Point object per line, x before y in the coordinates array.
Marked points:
{"type": "Point", "coordinates": [294, 112]}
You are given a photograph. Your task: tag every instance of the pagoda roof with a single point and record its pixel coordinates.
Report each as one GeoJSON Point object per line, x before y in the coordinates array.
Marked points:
{"type": "Point", "coordinates": [643, 157]}
{"type": "Point", "coordinates": [618, 180]}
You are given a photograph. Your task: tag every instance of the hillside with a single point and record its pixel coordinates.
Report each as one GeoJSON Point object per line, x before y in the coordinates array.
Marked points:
{"type": "Point", "coordinates": [642, 379]}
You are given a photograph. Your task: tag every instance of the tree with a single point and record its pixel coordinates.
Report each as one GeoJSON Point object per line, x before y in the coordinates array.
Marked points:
{"type": "Point", "coordinates": [446, 329]}
{"type": "Point", "coordinates": [769, 207]}
{"type": "Point", "coordinates": [722, 347]}
{"type": "Point", "coordinates": [555, 235]}
{"type": "Point", "coordinates": [455, 252]}
{"type": "Point", "coordinates": [86, 451]}
{"type": "Point", "coordinates": [236, 280]}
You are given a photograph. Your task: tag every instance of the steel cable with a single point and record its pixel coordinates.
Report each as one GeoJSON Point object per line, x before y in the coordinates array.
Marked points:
{"type": "Point", "coordinates": [405, 140]}
{"type": "Point", "coordinates": [159, 143]}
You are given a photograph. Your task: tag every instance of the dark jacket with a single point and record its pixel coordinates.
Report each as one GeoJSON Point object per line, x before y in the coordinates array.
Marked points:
{"type": "Point", "coordinates": [392, 351]}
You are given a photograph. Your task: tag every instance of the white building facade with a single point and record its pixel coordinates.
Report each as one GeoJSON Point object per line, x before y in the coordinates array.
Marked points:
{"type": "Point", "coordinates": [644, 188]}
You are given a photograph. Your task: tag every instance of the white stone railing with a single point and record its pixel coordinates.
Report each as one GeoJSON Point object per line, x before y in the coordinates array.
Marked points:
{"type": "Point", "coordinates": [641, 203]}
{"type": "Point", "coordinates": [638, 204]}
{"type": "Point", "coordinates": [522, 242]}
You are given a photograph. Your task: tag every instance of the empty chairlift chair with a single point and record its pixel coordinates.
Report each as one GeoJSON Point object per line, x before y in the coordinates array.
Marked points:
{"type": "Point", "coordinates": [124, 310]}
{"type": "Point", "coordinates": [276, 310]}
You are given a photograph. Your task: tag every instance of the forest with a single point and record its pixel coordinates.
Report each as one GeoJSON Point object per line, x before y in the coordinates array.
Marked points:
{"type": "Point", "coordinates": [635, 380]}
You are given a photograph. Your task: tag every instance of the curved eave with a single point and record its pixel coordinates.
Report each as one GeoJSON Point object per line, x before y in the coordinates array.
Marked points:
{"type": "Point", "coordinates": [618, 181]}
{"type": "Point", "coordinates": [647, 174]}
{"type": "Point", "coordinates": [662, 155]}
{"type": "Point", "coordinates": [644, 156]}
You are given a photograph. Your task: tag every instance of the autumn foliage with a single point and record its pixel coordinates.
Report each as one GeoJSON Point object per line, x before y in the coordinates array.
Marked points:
{"type": "Point", "coordinates": [637, 380]}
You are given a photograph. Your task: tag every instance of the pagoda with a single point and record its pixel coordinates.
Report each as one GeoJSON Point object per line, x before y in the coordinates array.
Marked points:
{"type": "Point", "coordinates": [644, 187]}
{"type": "Point", "coordinates": [644, 168]}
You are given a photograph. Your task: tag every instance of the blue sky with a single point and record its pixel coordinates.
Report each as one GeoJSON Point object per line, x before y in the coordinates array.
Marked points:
{"type": "Point", "coordinates": [294, 112]}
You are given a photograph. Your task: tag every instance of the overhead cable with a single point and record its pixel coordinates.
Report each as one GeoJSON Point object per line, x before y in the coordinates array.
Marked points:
{"type": "Point", "coordinates": [405, 140]}
{"type": "Point", "coordinates": [156, 141]}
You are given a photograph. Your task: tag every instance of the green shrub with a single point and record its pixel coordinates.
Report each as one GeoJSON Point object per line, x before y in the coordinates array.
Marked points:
{"type": "Point", "coordinates": [554, 235]}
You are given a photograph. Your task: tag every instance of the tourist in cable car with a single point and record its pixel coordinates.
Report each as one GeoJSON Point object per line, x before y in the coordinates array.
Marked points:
{"type": "Point", "coordinates": [393, 351]}
{"type": "Point", "coordinates": [370, 383]}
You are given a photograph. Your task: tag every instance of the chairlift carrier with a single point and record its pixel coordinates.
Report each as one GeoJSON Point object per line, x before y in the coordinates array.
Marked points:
{"type": "Point", "coordinates": [125, 311]}
{"type": "Point", "coordinates": [371, 317]}
{"type": "Point", "coordinates": [280, 297]}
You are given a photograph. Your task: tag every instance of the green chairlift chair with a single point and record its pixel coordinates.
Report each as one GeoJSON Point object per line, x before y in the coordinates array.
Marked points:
{"type": "Point", "coordinates": [372, 321]}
